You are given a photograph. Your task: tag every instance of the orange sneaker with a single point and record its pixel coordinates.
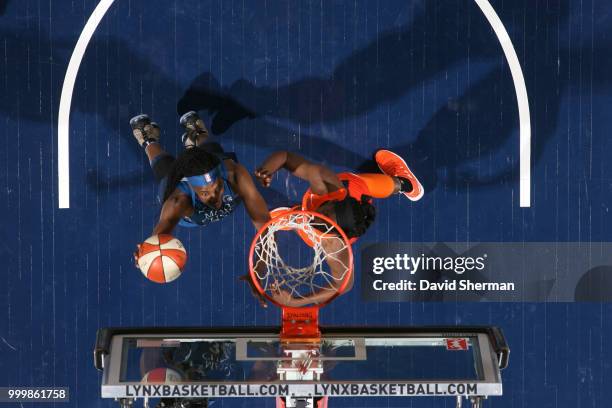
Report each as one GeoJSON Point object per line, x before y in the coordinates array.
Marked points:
{"type": "Point", "coordinates": [393, 165]}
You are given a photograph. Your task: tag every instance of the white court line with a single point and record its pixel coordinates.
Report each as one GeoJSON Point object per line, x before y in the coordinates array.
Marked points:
{"type": "Point", "coordinates": [521, 97]}
{"type": "Point", "coordinates": [63, 120]}
{"type": "Point", "coordinates": [485, 6]}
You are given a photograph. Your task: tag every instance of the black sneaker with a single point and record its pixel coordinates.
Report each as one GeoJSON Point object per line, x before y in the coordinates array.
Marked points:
{"type": "Point", "coordinates": [144, 130]}
{"type": "Point", "coordinates": [196, 131]}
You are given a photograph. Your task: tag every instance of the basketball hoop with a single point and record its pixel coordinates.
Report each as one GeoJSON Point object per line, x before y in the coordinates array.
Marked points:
{"type": "Point", "coordinates": [320, 247]}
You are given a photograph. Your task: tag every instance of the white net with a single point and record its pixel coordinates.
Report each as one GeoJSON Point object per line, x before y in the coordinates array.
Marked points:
{"type": "Point", "coordinates": [331, 258]}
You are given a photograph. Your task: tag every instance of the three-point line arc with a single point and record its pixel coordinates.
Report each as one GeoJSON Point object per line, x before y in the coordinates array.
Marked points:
{"type": "Point", "coordinates": [63, 122]}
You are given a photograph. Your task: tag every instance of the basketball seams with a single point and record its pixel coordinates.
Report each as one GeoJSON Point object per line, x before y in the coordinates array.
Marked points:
{"type": "Point", "coordinates": [169, 264]}
{"type": "Point", "coordinates": [161, 258]}
{"type": "Point", "coordinates": [144, 261]}
{"type": "Point", "coordinates": [165, 238]}
{"type": "Point", "coordinates": [161, 375]}
{"type": "Point", "coordinates": [152, 240]}
{"type": "Point", "coordinates": [172, 244]}
{"type": "Point", "coordinates": [146, 248]}
{"type": "Point", "coordinates": [156, 271]}
{"type": "Point", "coordinates": [176, 254]}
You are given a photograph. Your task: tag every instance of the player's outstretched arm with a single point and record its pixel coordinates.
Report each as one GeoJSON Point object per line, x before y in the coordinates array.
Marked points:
{"type": "Point", "coordinates": [175, 207]}
{"type": "Point", "coordinates": [253, 201]}
{"type": "Point", "coordinates": [322, 180]}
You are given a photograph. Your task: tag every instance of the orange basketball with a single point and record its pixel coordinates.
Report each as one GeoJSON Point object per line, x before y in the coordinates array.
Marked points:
{"type": "Point", "coordinates": [161, 258]}
{"type": "Point", "coordinates": [161, 375]}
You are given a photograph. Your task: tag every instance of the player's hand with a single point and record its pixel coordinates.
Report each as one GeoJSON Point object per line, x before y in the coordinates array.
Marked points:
{"type": "Point", "coordinates": [283, 297]}
{"type": "Point", "coordinates": [264, 176]}
{"type": "Point", "coordinates": [280, 295]}
{"type": "Point", "coordinates": [262, 300]}
{"type": "Point", "coordinates": [136, 256]}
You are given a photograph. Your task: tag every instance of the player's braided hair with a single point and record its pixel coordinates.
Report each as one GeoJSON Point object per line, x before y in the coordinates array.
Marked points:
{"type": "Point", "coordinates": [191, 162]}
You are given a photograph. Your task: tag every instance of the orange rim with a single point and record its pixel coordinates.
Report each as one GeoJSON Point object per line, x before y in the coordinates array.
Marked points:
{"type": "Point", "coordinates": [347, 277]}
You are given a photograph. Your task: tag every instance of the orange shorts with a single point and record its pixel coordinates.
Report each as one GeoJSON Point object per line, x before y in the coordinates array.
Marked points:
{"type": "Point", "coordinates": [358, 185]}
{"type": "Point", "coordinates": [369, 184]}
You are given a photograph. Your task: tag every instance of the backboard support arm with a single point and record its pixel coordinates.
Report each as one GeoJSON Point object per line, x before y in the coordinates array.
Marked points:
{"type": "Point", "coordinates": [300, 325]}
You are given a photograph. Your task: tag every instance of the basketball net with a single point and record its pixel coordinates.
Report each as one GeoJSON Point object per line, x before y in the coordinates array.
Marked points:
{"type": "Point", "coordinates": [328, 247]}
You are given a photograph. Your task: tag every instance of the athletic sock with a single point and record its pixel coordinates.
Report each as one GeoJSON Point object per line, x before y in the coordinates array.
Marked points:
{"type": "Point", "coordinates": [405, 185]}
{"type": "Point", "coordinates": [147, 141]}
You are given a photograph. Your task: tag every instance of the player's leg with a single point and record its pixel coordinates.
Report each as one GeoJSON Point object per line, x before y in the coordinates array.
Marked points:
{"type": "Point", "coordinates": [393, 165]}
{"type": "Point", "coordinates": [147, 134]}
{"type": "Point", "coordinates": [380, 185]}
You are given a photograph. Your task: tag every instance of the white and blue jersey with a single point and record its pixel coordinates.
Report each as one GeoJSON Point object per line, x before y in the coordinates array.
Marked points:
{"type": "Point", "coordinates": [204, 214]}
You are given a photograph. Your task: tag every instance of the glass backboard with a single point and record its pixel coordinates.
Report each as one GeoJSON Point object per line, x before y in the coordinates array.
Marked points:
{"type": "Point", "coordinates": [202, 363]}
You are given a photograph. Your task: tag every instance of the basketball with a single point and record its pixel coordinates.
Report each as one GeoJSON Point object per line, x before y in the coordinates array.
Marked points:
{"type": "Point", "coordinates": [161, 375]}
{"type": "Point", "coordinates": [161, 258]}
